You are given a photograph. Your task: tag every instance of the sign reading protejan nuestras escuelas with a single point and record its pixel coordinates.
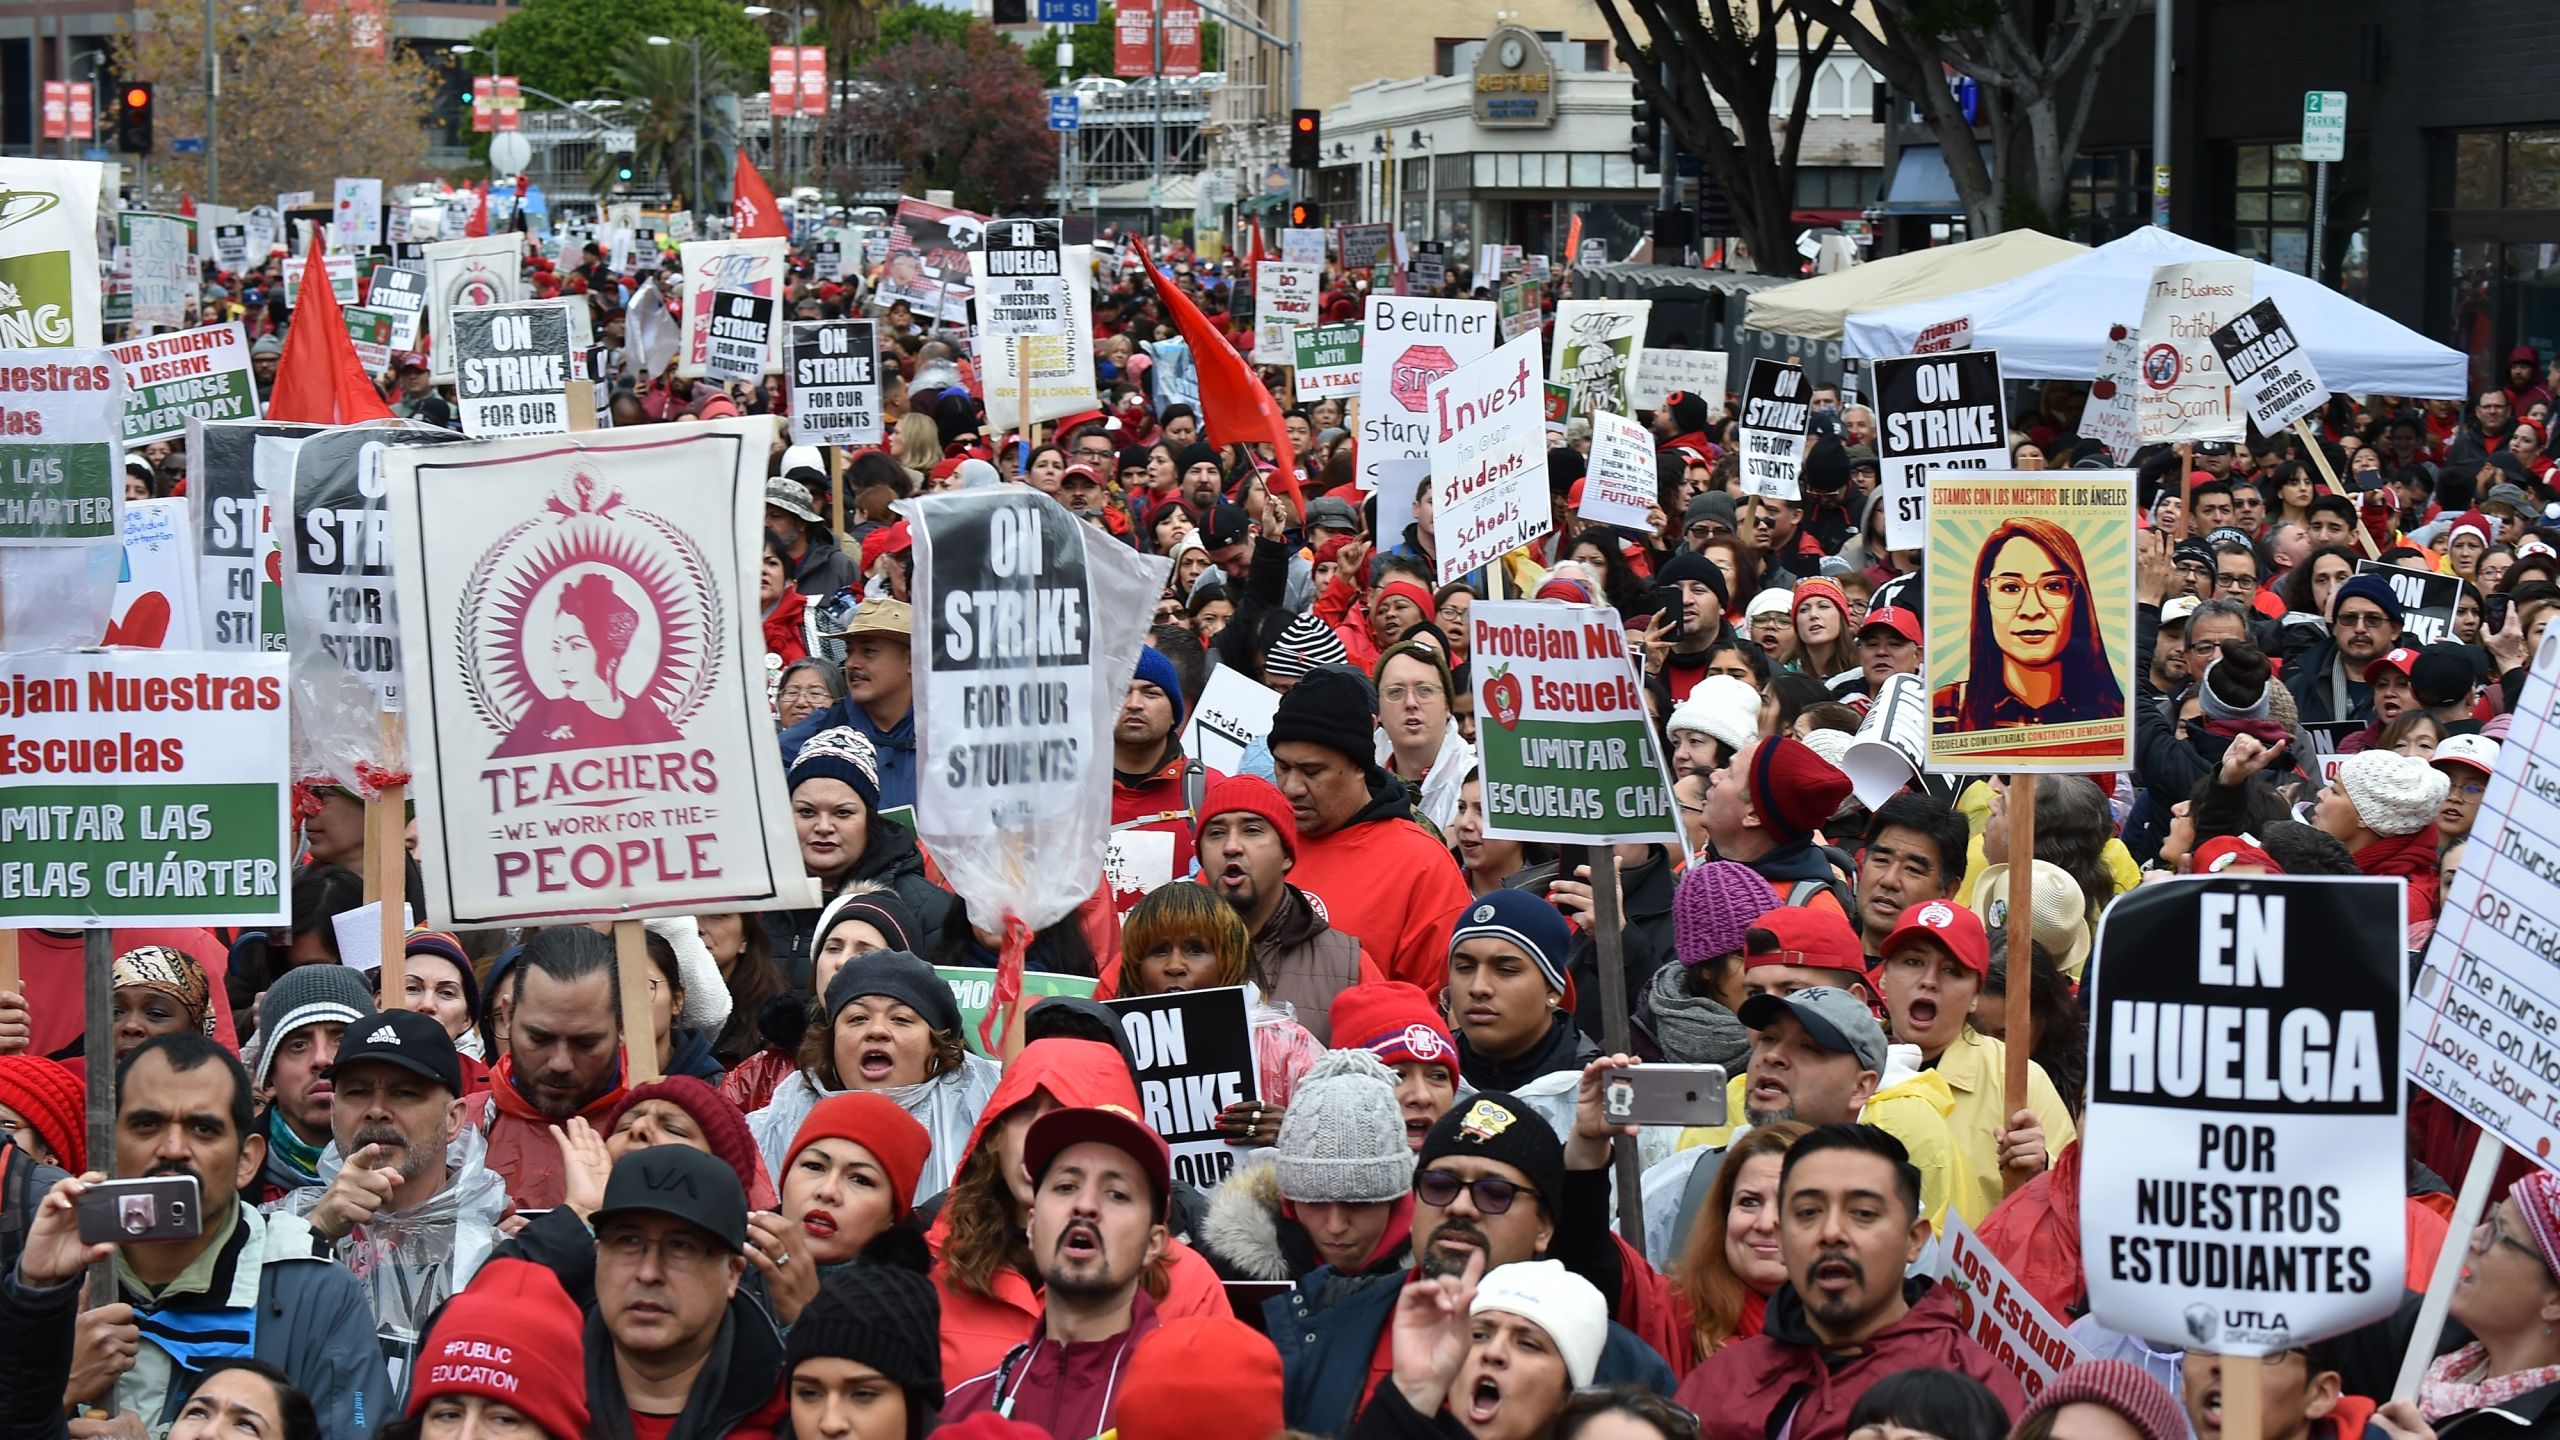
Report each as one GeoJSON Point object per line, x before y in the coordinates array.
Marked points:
{"type": "Point", "coordinates": [1192, 1053]}
{"type": "Point", "coordinates": [59, 471]}
{"type": "Point", "coordinates": [1567, 748]}
{"type": "Point", "coordinates": [741, 335]}
{"type": "Point", "coordinates": [512, 369]}
{"type": "Point", "coordinates": [2244, 1044]}
{"type": "Point", "coordinates": [835, 382]}
{"type": "Point", "coordinates": [143, 788]}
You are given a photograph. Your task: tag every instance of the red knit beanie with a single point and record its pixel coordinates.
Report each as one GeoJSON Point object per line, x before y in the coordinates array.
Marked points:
{"type": "Point", "coordinates": [514, 1337]}
{"type": "Point", "coordinates": [1254, 796]}
{"type": "Point", "coordinates": [724, 1129]}
{"type": "Point", "coordinates": [2125, 1388]}
{"type": "Point", "coordinates": [1392, 1020]}
{"type": "Point", "coordinates": [1410, 590]}
{"type": "Point", "coordinates": [54, 1104]}
{"type": "Point", "coordinates": [877, 1124]}
{"type": "Point", "coordinates": [1793, 789]}
{"type": "Point", "coordinates": [1201, 1375]}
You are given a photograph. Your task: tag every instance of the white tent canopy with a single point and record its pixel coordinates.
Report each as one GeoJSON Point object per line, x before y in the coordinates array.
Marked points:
{"type": "Point", "coordinates": [1815, 308]}
{"type": "Point", "coordinates": [2052, 323]}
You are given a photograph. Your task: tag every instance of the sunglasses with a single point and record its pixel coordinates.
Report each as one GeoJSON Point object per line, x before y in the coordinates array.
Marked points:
{"type": "Point", "coordinates": [1492, 1194]}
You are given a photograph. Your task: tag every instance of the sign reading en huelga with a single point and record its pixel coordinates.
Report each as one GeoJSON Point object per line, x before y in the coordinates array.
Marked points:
{"type": "Point", "coordinates": [1192, 1051]}
{"type": "Point", "coordinates": [60, 476]}
{"type": "Point", "coordinates": [1026, 289]}
{"type": "Point", "coordinates": [2269, 368]}
{"type": "Point", "coordinates": [585, 676]}
{"type": "Point", "coordinates": [1934, 412]}
{"type": "Point", "coordinates": [1567, 747]}
{"type": "Point", "coordinates": [200, 374]}
{"type": "Point", "coordinates": [2244, 1036]}
{"type": "Point", "coordinates": [835, 382]}
{"type": "Point", "coordinates": [143, 788]}
{"type": "Point", "coordinates": [1777, 408]}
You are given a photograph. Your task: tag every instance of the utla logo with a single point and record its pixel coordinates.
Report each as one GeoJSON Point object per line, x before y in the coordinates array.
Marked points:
{"type": "Point", "coordinates": [1416, 371]}
{"type": "Point", "coordinates": [1502, 697]}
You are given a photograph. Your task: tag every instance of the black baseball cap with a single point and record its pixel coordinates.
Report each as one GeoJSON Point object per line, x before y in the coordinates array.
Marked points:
{"type": "Point", "coordinates": [1226, 525]}
{"type": "Point", "coordinates": [414, 1042]}
{"type": "Point", "coordinates": [681, 1182]}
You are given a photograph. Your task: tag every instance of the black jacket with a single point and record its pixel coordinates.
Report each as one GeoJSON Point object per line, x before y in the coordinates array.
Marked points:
{"type": "Point", "coordinates": [2315, 693]}
{"type": "Point", "coordinates": [824, 569]}
{"type": "Point", "coordinates": [1645, 940]}
{"type": "Point", "coordinates": [1563, 1049]}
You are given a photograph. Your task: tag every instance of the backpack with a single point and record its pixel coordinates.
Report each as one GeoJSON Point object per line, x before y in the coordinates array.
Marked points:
{"type": "Point", "coordinates": [1802, 892]}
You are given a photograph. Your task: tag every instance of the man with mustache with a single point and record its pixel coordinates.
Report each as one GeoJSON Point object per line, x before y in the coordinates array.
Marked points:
{"type": "Point", "coordinates": [248, 1284]}
{"type": "Point", "coordinates": [398, 1214]}
{"type": "Point", "coordinates": [674, 1350]}
{"type": "Point", "coordinates": [1849, 1224]}
{"type": "Point", "coordinates": [1101, 1184]}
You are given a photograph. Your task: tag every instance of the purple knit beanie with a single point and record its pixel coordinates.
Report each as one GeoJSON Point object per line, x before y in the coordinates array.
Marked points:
{"type": "Point", "coordinates": [1715, 903]}
{"type": "Point", "coordinates": [2125, 1388]}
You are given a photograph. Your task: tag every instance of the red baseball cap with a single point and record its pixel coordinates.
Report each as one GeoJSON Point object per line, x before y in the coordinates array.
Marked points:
{"type": "Point", "coordinates": [2223, 852]}
{"type": "Point", "coordinates": [1896, 619]}
{"type": "Point", "coordinates": [2402, 658]}
{"type": "Point", "coordinates": [1110, 1125]}
{"type": "Point", "coordinates": [1955, 929]}
{"type": "Point", "coordinates": [1801, 935]}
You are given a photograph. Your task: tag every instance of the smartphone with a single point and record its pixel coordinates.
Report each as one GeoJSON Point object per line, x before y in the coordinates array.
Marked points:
{"type": "Point", "coordinates": [2493, 610]}
{"type": "Point", "coordinates": [137, 1212]}
{"type": "Point", "coordinates": [1682, 1095]}
{"type": "Point", "coordinates": [1667, 600]}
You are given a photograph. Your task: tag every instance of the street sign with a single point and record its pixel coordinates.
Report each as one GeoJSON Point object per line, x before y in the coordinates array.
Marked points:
{"type": "Point", "coordinates": [1070, 12]}
{"type": "Point", "coordinates": [2324, 124]}
{"type": "Point", "coordinates": [1064, 113]}
{"type": "Point", "coordinates": [187, 145]}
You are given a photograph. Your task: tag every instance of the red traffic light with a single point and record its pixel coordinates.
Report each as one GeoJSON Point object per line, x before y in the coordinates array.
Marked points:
{"type": "Point", "coordinates": [1306, 124]}
{"type": "Point", "coordinates": [137, 96]}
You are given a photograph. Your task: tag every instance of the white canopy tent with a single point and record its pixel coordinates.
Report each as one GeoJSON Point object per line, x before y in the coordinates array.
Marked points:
{"type": "Point", "coordinates": [1815, 308]}
{"type": "Point", "coordinates": [2052, 323]}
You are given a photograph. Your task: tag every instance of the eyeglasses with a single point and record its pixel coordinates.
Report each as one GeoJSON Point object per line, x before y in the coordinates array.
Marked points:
{"type": "Point", "coordinates": [1492, 1194]}
{"type": "Point", "coordinates": [2008, 592]}
{"type": "Point", "coordinates": [682, 1250]}
{"type": "Point", "coordinates": [1422, 693]}
{"type": "Point", "coordinates": [2362, 621]}
{"type": "Point", "coordinates": [1103, 452]}
{"type": "Point", "coordinates": [814, 694]}
{"type": "Point", "coordinates": [2471, 790]}
{"type": "Point", "coordinates": [2489, 1234]}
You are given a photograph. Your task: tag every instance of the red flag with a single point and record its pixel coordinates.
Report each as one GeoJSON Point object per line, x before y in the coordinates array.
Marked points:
{"type": "Point", "coordinates": [1233, 405]}
{"type": "Point", "coordinates": [187, 203]}
{"type": "Point", "coordinates": [1254, 259]}
{"type": "Point", "coordinates": [319, 380]}
{"type": "Point", "coordinates": [752, 213]}
{"type": "Point", "coordinates": [478, 224]}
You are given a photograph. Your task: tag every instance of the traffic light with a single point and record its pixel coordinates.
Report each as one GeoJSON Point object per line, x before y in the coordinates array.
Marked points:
{"type": "Point", "coordinates": [1012, 12]}
{"type": "Point", "coordinates": [1306, 216]}
{"type": "Point", "coordinates": [133, 119]}
{"type": "Point", "coordinates": [1306, 139]}
{"type": "Point", "coordinates": [1646, 135]}
{"type": "Point", "coordinates": [622, 165]}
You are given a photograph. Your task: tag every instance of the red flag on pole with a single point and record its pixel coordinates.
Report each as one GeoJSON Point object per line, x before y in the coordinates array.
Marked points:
{"type": "Point", "coordinates": [478, 224]}
{"type": "Point", "coordinates": [1234, 406]}
{"type": "Point", "coordinates": [752, 213]}
{"type": "Point", "coordinates": [319, 380]}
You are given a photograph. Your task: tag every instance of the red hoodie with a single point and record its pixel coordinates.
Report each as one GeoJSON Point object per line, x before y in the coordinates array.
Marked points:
{"type": "Point", "coordinates": [2412, 856]}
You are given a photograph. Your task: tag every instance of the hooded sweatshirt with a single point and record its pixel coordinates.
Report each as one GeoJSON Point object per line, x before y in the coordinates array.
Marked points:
{"type": "Point", "coordinates": [948, 1106]}
{"type": "Point", "coordinates": [1383, 879]}
{"type": "Point", "coordinates": [520, 1147]}
{"type": "Point", "coordinates": [1785, 1380]}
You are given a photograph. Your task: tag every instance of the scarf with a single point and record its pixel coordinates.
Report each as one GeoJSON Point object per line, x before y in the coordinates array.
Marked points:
{"type": "Point", "coordinates": [1691, 1029]}
{"type": "Point", "coordinates": [290, 1151]}
{"type": "Point", "coordinates": [2459, 1383]}
{"type": "Point", "coordinates": [172, 972]}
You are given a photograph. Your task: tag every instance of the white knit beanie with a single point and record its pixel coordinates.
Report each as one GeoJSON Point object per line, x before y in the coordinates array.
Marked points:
{"type": "Point", "coordinates": [2393, 794]}
{"type": "Point", "coordinates": [706, 994]}
{"type": "Point", "coordinates": [1556, 1300]}
{"type": "Point", "coordinates": [1342, 1139]}
{"type": "Point", "coordinates": [1720, 708]}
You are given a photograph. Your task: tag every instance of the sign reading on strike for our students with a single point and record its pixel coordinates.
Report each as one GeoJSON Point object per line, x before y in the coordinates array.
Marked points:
{"type": "Point", "coordinates": [1026, 288]}
{"type": "Point", "coordinates": [2269, 368]}
{"type": "Point", "coordinates": [1934, 412]}
{"type": "Point", "coordinates": [1776, 408]}
{"type": "Point", "coordinates": [512, 369]}
{"type": "Point", "coordinates": [835, 382]}
{"type": "Point", "coordinates": [60, 473]}
{"type": "Point", "coordinates": [1192, 1051]}
{"type": "Point", "coordinates": [1488, 431]}
{"type": "Point", "coordinates": [403, 293]}
{"type": "Point", "coordinates": [146, 788]}
{"type": "Point", "coordinates": [2224, 1086]}
{"type": "Point", "coordinates": [337, 559]}
{"type": "Point", "coordinates": [1567, 748]}
{"type": "Point", "coordinates": [741, 335]}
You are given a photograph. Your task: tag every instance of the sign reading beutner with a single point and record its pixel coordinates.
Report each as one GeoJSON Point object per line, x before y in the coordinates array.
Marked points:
{"type": "Point", "coordinates": [2244, 1074]}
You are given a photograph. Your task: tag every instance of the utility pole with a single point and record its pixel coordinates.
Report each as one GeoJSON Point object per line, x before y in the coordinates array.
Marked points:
{"type": "Point", "coordinates": [1155, 184]}
{"type": "Point", "coordinates": [2160, 40]}
{"type": "Point", "coordinates": [212, 112]}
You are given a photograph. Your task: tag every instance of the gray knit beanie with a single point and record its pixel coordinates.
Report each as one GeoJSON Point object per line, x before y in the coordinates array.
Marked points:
{"type": "Point", "coordinates": [1343, 1138]}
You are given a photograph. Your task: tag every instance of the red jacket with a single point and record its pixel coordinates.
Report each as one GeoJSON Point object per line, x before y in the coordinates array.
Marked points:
{"type": "Point", "coordinates": [1158, 804]}
{"type": "Point", "coordinates": [1383, 879]}
{"type": "Point", "coordinates": [520, 1145]}
{"type": "Point", "coordinates": [782, 628]}
{"type": "Point", "coordinates": [1739, 1392]}
{"type": "Point", "coordinates": [1064, 1388]}
{"type": "Point", "coordinates": [2412, 856]}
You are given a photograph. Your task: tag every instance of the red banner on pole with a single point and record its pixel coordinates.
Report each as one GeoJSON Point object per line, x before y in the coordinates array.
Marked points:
{"type": "Point", "coordinates": [84, 110]}
{"type": "Point", "coordinates": [1181, 37]}
{"type": "Point", "coordinates": [510, 104]}
{"type": "Point", "coordinates": [57, 110]}
{"type": "Point", "coordinates": [813, 80]}
{"type": "Point", "coordinates": [782, 79]}
{"type": "Point", "coordinates": [484, 104]}
{"type": "Point", "coordinates": [1133, 55]}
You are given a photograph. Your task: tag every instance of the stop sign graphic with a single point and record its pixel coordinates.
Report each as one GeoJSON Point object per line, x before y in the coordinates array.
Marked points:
{"type": "Point", "coordinates": [1417, 369]}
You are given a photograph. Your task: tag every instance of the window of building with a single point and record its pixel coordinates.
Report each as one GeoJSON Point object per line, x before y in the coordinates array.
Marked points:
{"type": "Point", "coordinates": [1836, 187]}
{"type": "Point", "coordinates": [2110, 194]}
{"type": "Point", "coordinates": [2271, 205]}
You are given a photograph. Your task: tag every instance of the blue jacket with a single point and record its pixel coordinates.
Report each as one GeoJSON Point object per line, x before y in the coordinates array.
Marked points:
{"type": "Point", "coordinates": [896, 747]}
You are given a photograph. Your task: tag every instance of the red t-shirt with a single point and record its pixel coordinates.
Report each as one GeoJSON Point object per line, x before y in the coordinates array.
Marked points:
{"type": "Point", "coordinates": [652, 1427]}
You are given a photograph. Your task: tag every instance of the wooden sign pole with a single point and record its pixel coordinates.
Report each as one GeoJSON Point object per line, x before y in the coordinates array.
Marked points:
{"type": "Point", "coordinates": [835, 480]}
{"type": "Point", "coordinates": [98, 1051]}
{"type": "Point", "coordinates": [1607, 937]}
{"type": "Point", "coordinates": [387, 856]}
{"type": "Point", "coordinates": [639, 1036]}
{"type": "Point", "coordinates": [8, 959]}
{"type": "Point", "coordinates": [2020, 1036]}
{"type": "Point", "coordinates": [2320, 458]}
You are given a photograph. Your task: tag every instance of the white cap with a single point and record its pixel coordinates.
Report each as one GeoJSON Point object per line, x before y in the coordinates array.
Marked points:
{"type": "Point", "coordinates": [1770, 602]}
{"type": "Point", "coordinates": [2176, 609]}
{"type": "Point", "coordinates": [1556, 1300]}
{"type": "Point", "coordinates": [802, 457]}
{"type": "Point", "coordinates": [1720, 708]}
{"type": "Point", "coordinates": [2476, 751]}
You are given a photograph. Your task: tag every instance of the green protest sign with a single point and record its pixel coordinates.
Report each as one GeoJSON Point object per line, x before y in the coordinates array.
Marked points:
{"type": "Point", "coordinates": [60, 470]}
{"type": "Point", "coordinates": [1567, 752]}
{"type": "Point", "coordinates": [975, 990]}
{"type": "Point", "coordinates": [1329, 360]}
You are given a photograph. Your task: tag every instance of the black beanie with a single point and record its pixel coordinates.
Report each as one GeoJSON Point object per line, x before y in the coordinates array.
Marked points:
{"type": "Point", "coordinates": [1826, 467]}
{"type": "Point", "coordinates": [1564, 466]}
{"type": "Point", "coordinates": [1496, 1126]}
{"type": "Point", "coordinates": [1688, 564]}
{"type": "Point", "coordinates": [899, 976]}
{"type": "Point", "coordinates": [1192, 454]}
{"type": "Point", "coordinates": [879, 1311]}
{"type": "Point", "coordinates": [1688, 413]}
{"type": "Point", "coordinates": [1331, 708]}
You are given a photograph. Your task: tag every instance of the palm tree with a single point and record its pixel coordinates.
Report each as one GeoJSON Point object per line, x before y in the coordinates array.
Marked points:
{"type": "Point", "coordinates": [656, 86]}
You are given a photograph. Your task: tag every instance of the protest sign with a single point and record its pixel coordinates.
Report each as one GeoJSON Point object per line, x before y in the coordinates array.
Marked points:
{"type": "Point", "coordinates": [1407, 346]}
{"type": "Point", "coordinates": [337, 559]}
{"type": "Point", "coordinates": [1523, 308]}
{"type": "Point", "coordinates": [358, 221]}
{"type": "Point", "coordinates": [155, 604]}
{"type": "Point", "coordinates": [1140, 857]}
{"type": "Point", "coordinates": [1597, 342]}
{"type": "Point", "coordinates": [1488, 440]}
{"type": "Point", "coordinates": [714, 267]}
{"type": "Point", "coordinates": [1176, 377]}
{"type": "Point", "coordinates": [1661, 374]}
{"type": "Point", "coordinates": [1023, 285]}
{"type": "Point", "coordinates": [741, 336]}
{"type": "Point", "coordinates": [974, 988]}
{"type": "Point", "coordinates": [2428, 599]}
{"type": "Point", "coordinates": [1368, 247]}
{"type": "Point", "coordinates": [1233, 711]}
{"type": "Point", "coordinates": [238, 580]}
{"type": "Point", "coordinates": [579, 634]}
{"type": "Point", "coordinates": [1776, 409]}
{"type": "Point", "coordinates": [401, 293]}
{"type": "Point", "coordinates": [49, 253]}
{"type": "Point", "coordinates": [231, 247]}
{"type": "Point", "coordinates": [2269, 367]}
{"type": "Point", "coordinates": [1061, 361]}
{"type": "Point", "coordinates": [338, 265]}
{"type": "Point", "coordinates": [1934, 412]}
{"type": "Point", "coordinates": [156, 269]}
{"type": "Point", "coordinates": [512, 364]}
{"type": "Point", "coordinates": [2244, 1036]}
{"type": "Point", "coordinates": [369, 331]}
{"type": "Point", "coordinates": [1284, 301]}
{"type": "Point", "coordinates": [2184, 393]}
{"type": "Point", "coordinates": [1302, 247]}
{"type": "Point", "coordinates": [1430, 267]}
{"type": "Point", "coordinates": [61, 466]}
{"type": "Point", "coordinates": [2002, 1316]}
{"type": "Point", "coordinates": [1193, 1054]}
{"type": "Point", "coordinates": [835, 382]}
{"type": "Point", "coordinates": [463, 275]}
{"type": "Point", "coordinates": [1328, 361]}
{"type": "Point", "coordinates": [2030, 637]}
{"type": "Point", "coordinates": [930, 261]}
{"type": "Point", "coordinates": [1567, 749]}
{"type": "Point", "coordinates": [1621, 484]}
{"type": "Point", "coordinates": [147, 788]}
{"type": "Point", "coordinates": [2481, 1027]}
{"type": "Point", "coordinates": [2111, 414]}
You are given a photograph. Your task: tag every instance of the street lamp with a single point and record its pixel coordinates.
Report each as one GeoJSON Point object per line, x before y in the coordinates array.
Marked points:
{"type": "Point", "coordinates": [693, 122]}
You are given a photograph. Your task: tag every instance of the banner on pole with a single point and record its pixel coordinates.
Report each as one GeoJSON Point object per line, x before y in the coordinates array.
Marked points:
{"type": "Point", "coordinates": [61, 464]}
{"type": "Point", "coordinates": [1776, 411]}
{"type": "Point", "coordinates": [835, 382]}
